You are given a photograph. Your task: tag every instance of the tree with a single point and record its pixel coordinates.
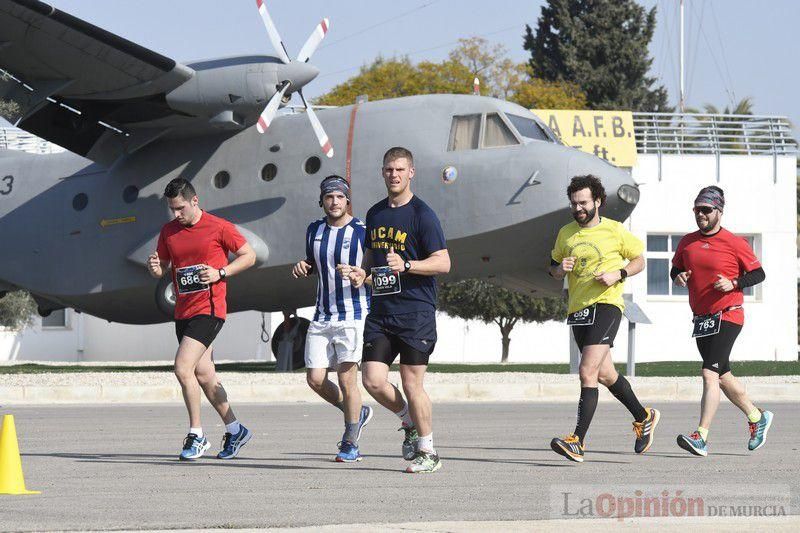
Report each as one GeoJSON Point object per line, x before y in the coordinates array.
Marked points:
{"type": "Point", "coordinates": [16, 310]}
{"type": "Point", "coordinates": [474, 57]}
{"type": "Point", "coordinates": [600, 45]}
{"type": "Point", "coordinates": [475, 299]}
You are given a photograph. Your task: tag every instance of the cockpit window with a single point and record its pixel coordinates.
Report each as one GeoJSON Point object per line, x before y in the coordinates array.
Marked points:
{"type": "Point", "coordinates": [497, 133]}
{"type": "Point", "coordinates": [528, 128]}
{"type": "Point", "coordinates": [464, 133]}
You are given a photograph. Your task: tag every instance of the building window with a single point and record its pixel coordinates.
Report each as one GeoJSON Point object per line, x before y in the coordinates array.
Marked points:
{"type": "Point", "coordinates": [660, 249]}
{"type": "Point", "coordinates": [56, 319]}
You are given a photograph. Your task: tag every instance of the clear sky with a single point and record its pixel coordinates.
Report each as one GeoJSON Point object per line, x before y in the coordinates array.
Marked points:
{"type": "Point", "coordinates": [735, 48]}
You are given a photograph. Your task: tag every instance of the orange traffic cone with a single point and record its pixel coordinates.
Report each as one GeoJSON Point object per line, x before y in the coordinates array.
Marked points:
{"type": "Point", "coordinates": [11, 479]}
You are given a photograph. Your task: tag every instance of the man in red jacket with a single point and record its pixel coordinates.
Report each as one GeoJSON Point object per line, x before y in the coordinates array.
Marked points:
{"type": "Point", "coordinates": [196, 245]}
{"type": "Point", "coordinates": [716, 266]}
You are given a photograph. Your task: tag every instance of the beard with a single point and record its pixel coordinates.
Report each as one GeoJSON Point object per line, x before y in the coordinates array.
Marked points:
{"type": "Point", "coordinates": [589, 215]}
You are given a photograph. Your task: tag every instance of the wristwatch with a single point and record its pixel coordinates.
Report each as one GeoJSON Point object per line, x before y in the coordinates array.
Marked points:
{"type": "Point", "coordinates": [622, 275]}
{"type": "Point", "coordinates": [222, 273]}
{"type": "Point", "coordinates": [406, 266]}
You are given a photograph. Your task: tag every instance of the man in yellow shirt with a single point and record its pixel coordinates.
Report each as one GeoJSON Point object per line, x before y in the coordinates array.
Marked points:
{"type": "Point", "coordinates": [592, 253]}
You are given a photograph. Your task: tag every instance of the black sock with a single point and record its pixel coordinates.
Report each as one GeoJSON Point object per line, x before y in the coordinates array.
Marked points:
{"type": "Point", "coordinates": [586, 408]}
{"type": "Point", "coordinates": [623, 392]}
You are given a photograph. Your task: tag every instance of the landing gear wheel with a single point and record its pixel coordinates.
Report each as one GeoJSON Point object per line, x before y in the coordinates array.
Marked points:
{"type": "Point", "coordinates": [165, 296]}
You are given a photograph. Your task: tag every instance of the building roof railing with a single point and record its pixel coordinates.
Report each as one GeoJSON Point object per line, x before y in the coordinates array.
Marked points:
{"type": "Point", "coordinates": [715, 134]}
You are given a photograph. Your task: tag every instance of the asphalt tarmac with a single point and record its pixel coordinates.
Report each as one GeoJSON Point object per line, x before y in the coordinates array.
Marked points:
{"type": "Point", "coordinates": [116, 467]}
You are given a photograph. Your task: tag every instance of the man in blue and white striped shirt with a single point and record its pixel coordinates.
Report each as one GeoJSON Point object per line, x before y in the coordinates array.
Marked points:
{"type": "Point", "coordinates": [335, 335]}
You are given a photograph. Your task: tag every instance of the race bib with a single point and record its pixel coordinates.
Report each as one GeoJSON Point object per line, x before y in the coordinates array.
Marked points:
{"type": "Point", "coordinates": [706, 325]}
{"type": "Point", "coordinates": [385, 281]}
{"type": "Point", "coordinates": [584, 317]}
{"type": "Point", "coordinates": [188, 279]}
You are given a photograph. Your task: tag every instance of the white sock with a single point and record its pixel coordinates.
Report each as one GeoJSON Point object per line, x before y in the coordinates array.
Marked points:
{"type": "Point", "coordinates": [403, 415]}
{"type": "Point", "coordinates": [425, 444]}
{"type": "Point", "coordinates": [197, 431]}
{"type": "Point", "coordinates": [233, 427]}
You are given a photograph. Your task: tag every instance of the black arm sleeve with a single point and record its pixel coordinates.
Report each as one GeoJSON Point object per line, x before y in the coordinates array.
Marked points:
{"type": "Point", "coordinates": [552, 264]}
{"type": "Point", "coordinates": [674, 273]}
{"type": "Point", "coordinates": [748, 279]}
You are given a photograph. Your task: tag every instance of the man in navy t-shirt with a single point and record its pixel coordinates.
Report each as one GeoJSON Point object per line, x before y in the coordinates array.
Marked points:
{"type": "Point", "coordinates": [405, 249]}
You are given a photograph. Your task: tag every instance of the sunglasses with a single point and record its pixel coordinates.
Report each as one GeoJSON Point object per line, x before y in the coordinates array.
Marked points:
{"type": "Point", "coordinates": [706, 210]}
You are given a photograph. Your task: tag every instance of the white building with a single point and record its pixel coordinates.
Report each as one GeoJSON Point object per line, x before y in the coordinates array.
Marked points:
{"type": "Point", "coordinates": [751, 158]}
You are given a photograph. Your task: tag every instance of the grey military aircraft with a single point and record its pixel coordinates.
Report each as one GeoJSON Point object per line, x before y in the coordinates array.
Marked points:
{"type": "Point", "coordinates": [78, 226]}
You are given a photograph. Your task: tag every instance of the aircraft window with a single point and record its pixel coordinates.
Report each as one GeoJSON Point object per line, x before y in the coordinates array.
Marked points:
{"type": "Point", "coordinates": [528, 128]}
{"type": "Point", "coordinates": [497, 133]}
{"type": "Point", "coordinates": [464, 133]}
{"type": "Point", "coordinates": [130, 194]}
{"type": "Point", "coordinates": [313, 165]}
{"type": "Point", "coordinates": [80, 201]}
{"type": "Point", "coordinates": [275, 148]}
{"type": "Point", "coordinates": [269, 172]}
{"type": "Point", "coordinates": [222, 179]}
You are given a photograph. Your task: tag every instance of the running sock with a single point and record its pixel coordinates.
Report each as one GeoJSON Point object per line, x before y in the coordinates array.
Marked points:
{"type": "Point", "coordinates": [350, 432]}
{"type": "Point", "coordinates": [233, 428]}
{"type": "Point", "coordinates": [425, 444]}
{"type": "Point", "coordinates": [754, 415]}
{"type": "Point", "coordinates": [404, 415]}
{"type": "Point", "coordinates": [623, 392]}
{"type": "Point", "coordinates": [197, 431]}
{"type": "Point", "coordinates": [586, 408]}
{"type": "Point", "coordinates": [703, 432]}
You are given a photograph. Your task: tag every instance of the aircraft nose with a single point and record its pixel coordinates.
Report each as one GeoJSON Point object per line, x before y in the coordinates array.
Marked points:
{"type": "Point", "coordinates": [622, 194]}
{"type": "Point", "coordinates": [299, 74]}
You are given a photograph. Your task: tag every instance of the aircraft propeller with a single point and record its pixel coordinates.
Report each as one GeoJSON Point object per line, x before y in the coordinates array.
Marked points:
{"type": "Point", "coordinates": [308, 49]}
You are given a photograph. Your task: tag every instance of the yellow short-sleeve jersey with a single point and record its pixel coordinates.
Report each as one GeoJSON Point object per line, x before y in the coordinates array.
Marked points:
{"type": "Point", "coordinates": [606, 247]}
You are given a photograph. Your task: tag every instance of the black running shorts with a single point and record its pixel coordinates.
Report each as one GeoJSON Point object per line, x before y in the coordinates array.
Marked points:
{"type": "Point", "coordinates": [202, 328]}
{"type": "Point", "coordinates": [412, 335]}
{"type": "Point", "coordinates": [716, 349]}
{"type": "Point", "coordinates": [603, 331]}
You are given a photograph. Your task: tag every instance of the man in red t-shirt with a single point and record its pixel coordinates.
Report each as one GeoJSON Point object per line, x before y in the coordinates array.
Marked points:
{"type": "Point", "coordinates": [196, 245]}
{"type": "Point", "coordinates": [716, 266]}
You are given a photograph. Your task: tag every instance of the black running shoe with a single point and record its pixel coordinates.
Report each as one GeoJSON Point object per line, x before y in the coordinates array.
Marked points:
{"type": "Point", "coordinates": [570, 447]}
{"type": "Point", "coordinates": [644, 430]}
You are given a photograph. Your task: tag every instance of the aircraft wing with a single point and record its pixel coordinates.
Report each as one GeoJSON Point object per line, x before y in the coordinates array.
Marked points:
{"type": "Point", "coordinates": [82, 87]}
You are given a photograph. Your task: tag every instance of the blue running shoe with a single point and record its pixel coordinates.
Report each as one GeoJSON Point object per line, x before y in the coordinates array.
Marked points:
{"type": "Point", "coordinates": [758, 430]}
{"type": "Point", "coordinates": [194, 447]}
{"type": "Point", "coordinates": [693, 444]}
{"type": "Point", "coordinates": [363, 420]}
{"type": "Point", "coordinates": [348, 453]}
{"type": "Point", "coordinates": [231, 444]}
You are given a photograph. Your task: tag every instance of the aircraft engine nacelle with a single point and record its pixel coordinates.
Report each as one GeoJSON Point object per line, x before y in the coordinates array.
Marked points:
{"type": "Point", "coordinates": [234, 91]}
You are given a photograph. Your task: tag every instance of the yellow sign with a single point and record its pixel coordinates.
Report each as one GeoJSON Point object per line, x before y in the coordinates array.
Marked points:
{"type": "Point", "coordinates": [114, 221]}
{"type": "Point", "coordinates": [606, 134]}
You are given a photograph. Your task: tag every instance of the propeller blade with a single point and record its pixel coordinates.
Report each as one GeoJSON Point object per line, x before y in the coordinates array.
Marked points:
{"type": "Point", "coordinates": [322, 137]}
{"type": "Point", "coordinates": [269, 112]}
{"type": "Point", "coordinates": [272, 31]}
{"type": "Point", "coordinates": [313, 41]}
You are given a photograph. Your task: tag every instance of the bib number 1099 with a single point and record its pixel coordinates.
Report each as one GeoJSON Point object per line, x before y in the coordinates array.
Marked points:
{"type": "Point", "coordinates": [384, 281]}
